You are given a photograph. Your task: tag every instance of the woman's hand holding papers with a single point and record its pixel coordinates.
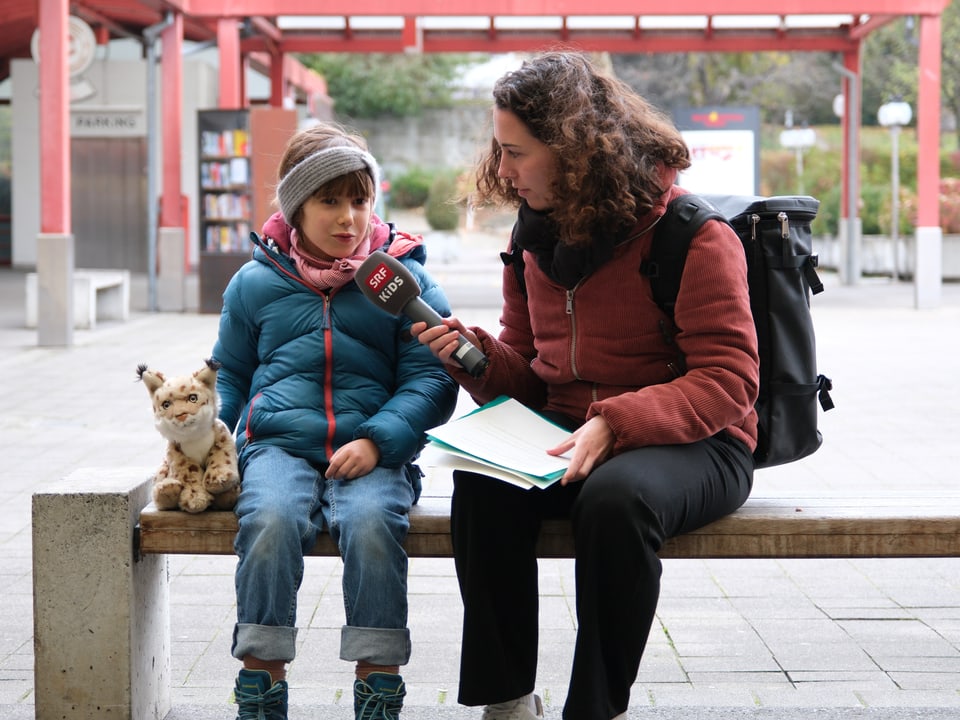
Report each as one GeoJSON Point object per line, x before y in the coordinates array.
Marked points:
{"type": "Point", "coordinates": [591, 444]}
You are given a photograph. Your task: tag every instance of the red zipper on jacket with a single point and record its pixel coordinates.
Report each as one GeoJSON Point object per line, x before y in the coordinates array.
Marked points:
{"type": "Point", "coordinates": [327, 327]}
{"type": "Point", "coordinates": [328, 372]}
{"type": "Point", "coordinates": [573, 332]}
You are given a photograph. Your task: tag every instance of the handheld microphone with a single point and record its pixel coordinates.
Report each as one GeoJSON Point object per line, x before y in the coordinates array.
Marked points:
{"type": "Point", "coordinates": [388, 284]}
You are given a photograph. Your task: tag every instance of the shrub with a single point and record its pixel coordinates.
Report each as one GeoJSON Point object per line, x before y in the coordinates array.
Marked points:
{"type": "Point", "coordinates": [950, 205]}
{"type": "Point", "coordinates": [827, 221]}
{"type": "Point", "coordinates": [873, 198]}
{"type": "Point", "coordinates": [442, 210]}
{"type": "Point", "coordinates": [411, 189]}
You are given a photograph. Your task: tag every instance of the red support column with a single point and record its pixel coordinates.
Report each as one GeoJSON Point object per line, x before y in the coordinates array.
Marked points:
{"type": "Point", "coordinates": [844, 155]}
{"type": "Point", "coordinates": [278, 79]}
{"type": "Point", "coordinates": [171, 82]}
{"type": "Point", "coordinates": [928, 123]}
{"type": "Point", "coordinates": [244, 67]}
{"type": "Point", "coordinates": [54, 119]}
{"type": "Point", "coordinates": [851, 100]}
{"type": "Point", "coordinates": [850, 230]}
{"type": "Point", "coordinates": [231, 65]}
{"type": "Point", "coordinates": [412, 35]}
{"type": "Point", "coordinates": [928, 235]}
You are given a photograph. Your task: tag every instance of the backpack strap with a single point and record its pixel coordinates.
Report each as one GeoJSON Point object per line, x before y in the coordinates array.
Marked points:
{"type": "Point", "coordinates": [668, 254]}
{"type": "Point", "coordinates": [671, 241]}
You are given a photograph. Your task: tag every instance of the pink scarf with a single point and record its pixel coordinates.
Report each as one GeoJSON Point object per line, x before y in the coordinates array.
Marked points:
{"type": "Point", "coordinates": [332, 274]}
{"type": "Point", "coordinates": [327, 274]}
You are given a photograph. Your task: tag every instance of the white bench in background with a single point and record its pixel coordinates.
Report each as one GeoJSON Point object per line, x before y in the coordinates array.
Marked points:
{"type": "Point", "coordinates": [97, 295]}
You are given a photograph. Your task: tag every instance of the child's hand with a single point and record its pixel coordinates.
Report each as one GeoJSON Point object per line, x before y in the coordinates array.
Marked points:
{"type": "Point", "coordinates": [354, 459]}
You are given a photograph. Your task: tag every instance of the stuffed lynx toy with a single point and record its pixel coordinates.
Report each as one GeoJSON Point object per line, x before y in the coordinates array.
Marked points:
{"type": "Point", "coordinates": [200, 468]}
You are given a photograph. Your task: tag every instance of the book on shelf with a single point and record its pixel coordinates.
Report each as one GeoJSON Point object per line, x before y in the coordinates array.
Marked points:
{"type": "Point", "coordinates": [239, 171]}
{"type": "Point", "coordinates": [231, 238]}
{"type": "Point", "coordinates": [226, 206]}
{"type": "Point", "coordinates": [502, 439]}
{"type": "Point", "coordinates": [224, 143]}
{"type": "Point", "coordinates": [209, 142]}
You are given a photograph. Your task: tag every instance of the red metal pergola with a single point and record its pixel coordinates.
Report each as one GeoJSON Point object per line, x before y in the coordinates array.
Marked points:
{"type": "Point", "coordinates": [262, 31]}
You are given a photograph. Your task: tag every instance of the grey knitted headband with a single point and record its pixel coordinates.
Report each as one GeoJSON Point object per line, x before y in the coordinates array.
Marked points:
{"type": "Point", "coordinates": [318, 169]}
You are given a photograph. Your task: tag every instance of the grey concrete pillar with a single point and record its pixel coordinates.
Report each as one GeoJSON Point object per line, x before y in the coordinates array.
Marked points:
{"type": "Point", "coordinates": [101, 617]}
{"type": "Point", "coordinates": [171, 277]}
{"type": "Point", "coordinates": [55, 261]}
{"type": "Point", "coordinates": [850, 250]}
{"type": "Point", "coordinates": [928, 267]}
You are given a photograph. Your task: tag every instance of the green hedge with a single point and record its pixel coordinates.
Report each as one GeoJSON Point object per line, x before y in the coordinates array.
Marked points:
{"type": "Point", "coordinates": [442, 209]}
{"type": "Point", "coordinates": [821, 179]}
{"type": "Point", "coordinates": [410, 190]}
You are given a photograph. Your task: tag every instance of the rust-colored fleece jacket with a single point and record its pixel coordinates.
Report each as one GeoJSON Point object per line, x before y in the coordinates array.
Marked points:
{"type": "Point", "coordinates": [600, 348]}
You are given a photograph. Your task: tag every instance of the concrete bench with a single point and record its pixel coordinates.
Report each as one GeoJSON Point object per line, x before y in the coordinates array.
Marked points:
{"type": "Point", "coordinates": [101, 598]}
{"type": "Point", "coordinates": [97, 295]}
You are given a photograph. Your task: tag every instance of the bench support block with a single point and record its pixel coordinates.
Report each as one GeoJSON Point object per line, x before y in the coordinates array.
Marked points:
{"type": "Point", "coordinates": [101, 620]}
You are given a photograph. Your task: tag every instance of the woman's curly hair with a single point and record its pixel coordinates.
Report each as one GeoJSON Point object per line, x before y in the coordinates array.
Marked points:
{"type": "Point", "coordinates": [609, 142]}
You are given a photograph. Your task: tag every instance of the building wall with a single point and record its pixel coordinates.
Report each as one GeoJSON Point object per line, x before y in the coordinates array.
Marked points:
{"type": "Point", "coordinates": [437, 139]}
{"type": "Point", "coordinates": [116, 84]}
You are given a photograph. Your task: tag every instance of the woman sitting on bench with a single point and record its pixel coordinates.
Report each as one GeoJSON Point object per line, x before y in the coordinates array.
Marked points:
{"type": "Point", "coordinates": [662, 423]}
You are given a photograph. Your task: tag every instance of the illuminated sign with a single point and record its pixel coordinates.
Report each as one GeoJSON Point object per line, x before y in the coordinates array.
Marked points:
{"type": "Point", "coordinates": [724, 147]}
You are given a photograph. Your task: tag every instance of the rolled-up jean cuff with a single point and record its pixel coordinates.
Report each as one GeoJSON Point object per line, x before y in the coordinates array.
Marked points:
{"type": "Point", "coordinates": [266, 642]}
{"type": "Point", "coordinates": [380, 646]}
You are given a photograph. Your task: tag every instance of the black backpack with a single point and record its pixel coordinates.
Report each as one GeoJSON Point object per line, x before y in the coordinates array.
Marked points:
{"type": "Point", "coordinates": [781, 273]}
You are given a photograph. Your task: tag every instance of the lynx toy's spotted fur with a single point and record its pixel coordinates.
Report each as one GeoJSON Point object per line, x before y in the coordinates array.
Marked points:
{"type": "Point", "coordinates": [200, 467]}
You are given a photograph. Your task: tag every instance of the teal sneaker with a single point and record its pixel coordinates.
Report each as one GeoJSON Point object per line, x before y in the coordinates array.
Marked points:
{"type": "Point", "coordinates": [379, 698]}
{"type": "Point", "coordinates": [257, 699]}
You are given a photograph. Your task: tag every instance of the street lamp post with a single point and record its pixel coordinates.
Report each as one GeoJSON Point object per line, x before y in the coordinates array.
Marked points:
{"type": "Point", "coordinates": [895, 115]}
{"type": "Point", "coordinates": [798, 139]}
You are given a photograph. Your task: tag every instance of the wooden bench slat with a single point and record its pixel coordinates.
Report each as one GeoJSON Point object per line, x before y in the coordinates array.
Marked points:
{"type": "Point", "coordinates": [763, 528]}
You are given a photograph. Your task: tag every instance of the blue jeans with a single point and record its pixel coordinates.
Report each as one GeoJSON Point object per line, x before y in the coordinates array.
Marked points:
{"type": "Point", "coordinates": [284, 503]}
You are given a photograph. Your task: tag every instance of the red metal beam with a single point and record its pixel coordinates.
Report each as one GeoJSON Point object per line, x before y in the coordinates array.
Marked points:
{"type": "Point", "coordinates": [125, 18]}
{"type": "Point", "coordinates": [494, 41]}
{"type": "Point", "coordinates": [267, 28]}
{"type": "Point", "coordinates": [552, 8]}
{"type": "Point", "coordinates": [861, 30]}
{"type": "Point", "coordinates": [271, 34]}
{"type": "Point", "coordinates": [98, 20]}
{"type": "Point", "coordinates": [303, 77]}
